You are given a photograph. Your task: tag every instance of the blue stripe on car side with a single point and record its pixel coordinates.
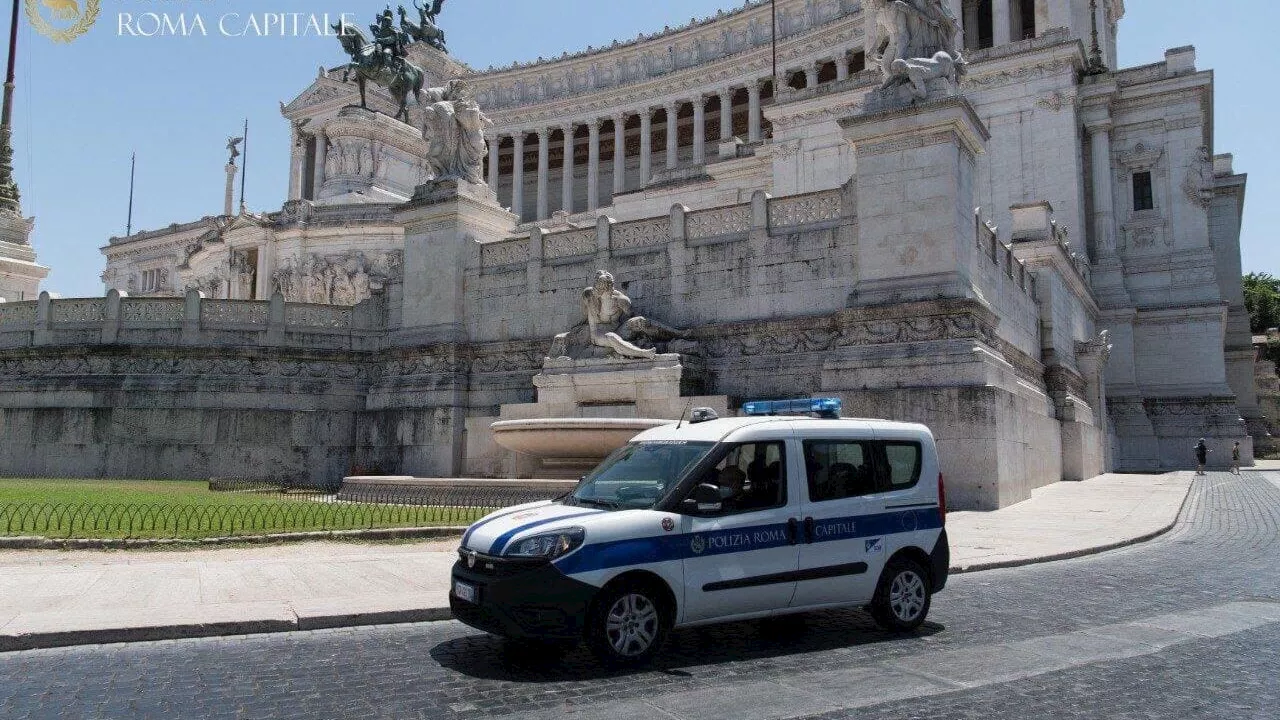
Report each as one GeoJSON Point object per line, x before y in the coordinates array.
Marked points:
{"type": "Point", "coordinates": [660, 548]}
{"type": "Point", "coordinates": [500, 543]}
{"type": "Point", "coordinates": [496, 516]}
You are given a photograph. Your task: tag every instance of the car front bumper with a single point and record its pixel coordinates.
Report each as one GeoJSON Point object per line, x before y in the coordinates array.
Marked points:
{"type": "Point", "coordinates": [521, 599]}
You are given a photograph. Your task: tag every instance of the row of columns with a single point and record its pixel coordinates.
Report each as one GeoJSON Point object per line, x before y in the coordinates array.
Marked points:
{"type": "Point", "coordinates": [1002, 16]}
{"type": "Point", "coordinates": [619, 157]}
{"type": "Point", "coordinates": [754, 134]}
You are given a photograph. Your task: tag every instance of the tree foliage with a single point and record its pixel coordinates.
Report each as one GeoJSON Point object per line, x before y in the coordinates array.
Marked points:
{"type": "Point", "coordinates": [1262, 299]}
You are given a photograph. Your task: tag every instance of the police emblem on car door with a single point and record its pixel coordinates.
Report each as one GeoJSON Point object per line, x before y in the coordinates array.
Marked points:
{"type": "Point", "coordinates": [742, 553]}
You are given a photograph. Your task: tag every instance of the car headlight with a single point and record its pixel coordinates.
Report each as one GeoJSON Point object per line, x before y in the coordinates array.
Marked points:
{"type": "Point", "coordinates": [548, 545]}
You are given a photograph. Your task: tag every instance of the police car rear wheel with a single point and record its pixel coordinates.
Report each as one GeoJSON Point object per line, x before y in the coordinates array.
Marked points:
{"type": "Point", "coordinates": [902, 598]}
{"type": "Point", "coordinates": [627, 626]}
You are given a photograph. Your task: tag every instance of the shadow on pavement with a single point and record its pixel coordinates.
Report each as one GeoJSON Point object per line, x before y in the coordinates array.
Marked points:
{"type": "Point", "coordinates": [492, 658]}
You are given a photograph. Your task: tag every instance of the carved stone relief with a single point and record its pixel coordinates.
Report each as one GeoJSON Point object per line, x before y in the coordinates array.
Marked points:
{"type": "Point", "coordinates": [1147, 230]}
{"type": "Point", "coordinates": [1198, 182]}
{"type": "Point", "coordinates": [341, 279]}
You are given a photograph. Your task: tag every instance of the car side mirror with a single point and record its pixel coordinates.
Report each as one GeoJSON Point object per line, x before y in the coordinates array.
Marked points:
{"type": "Point", "coordinates": [706, 499]}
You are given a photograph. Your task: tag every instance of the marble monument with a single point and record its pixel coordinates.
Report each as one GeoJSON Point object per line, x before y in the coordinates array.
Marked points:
{"type": "Point", "coordinates": [959, 212]}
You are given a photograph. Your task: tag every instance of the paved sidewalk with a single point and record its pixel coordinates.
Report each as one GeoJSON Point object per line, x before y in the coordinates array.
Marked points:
{"type": "Point", "coordinates": [50, 598]}
{"type": "Point", "coordinates": [1068, 519]}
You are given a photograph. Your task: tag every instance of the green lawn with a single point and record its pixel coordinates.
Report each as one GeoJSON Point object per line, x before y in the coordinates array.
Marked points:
{"type": "Point", "coordinates": [187, 509]}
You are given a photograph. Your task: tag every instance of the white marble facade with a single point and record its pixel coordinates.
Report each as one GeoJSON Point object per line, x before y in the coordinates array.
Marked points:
{"type": "Point", "coordinates": [1103, 258]}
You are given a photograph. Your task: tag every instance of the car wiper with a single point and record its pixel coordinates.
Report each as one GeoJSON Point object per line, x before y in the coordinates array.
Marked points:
{"type": "Point", "coordinates": [610, 504]}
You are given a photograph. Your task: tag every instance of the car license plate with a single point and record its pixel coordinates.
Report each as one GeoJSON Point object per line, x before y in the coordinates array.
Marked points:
{"type": "Point", "coordinates": [463, 591]}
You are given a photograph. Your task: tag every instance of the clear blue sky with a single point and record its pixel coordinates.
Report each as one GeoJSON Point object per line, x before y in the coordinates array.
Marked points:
{"type": "Point", "coordinates": [82, 108]}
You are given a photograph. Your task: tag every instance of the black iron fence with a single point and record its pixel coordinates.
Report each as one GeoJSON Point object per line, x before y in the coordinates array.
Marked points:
{"type": "Point", "coordinates": [269, 485]}
{"type": "Point", "coordinates": [268, 508]}
{"type": "Point", "coordinates": [452, 495]}
{"type": "Point", "coordinates": [461, 494]}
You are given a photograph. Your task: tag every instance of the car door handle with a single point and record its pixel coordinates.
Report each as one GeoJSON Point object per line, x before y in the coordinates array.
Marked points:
{"type": "Point", "coordinates": [808, 530]}
{"type": "Point", "coordinates": [792, 526]}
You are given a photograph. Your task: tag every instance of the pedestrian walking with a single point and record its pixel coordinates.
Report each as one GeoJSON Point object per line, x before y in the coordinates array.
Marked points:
{"type": "Point", "coordinates": [1202, 456]}
{"type": "Point", "coordinates": [1235, 458]}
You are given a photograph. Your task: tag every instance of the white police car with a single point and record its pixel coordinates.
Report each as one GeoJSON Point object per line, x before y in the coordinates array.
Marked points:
{"type": "Point", "coordinates": [715, 520]}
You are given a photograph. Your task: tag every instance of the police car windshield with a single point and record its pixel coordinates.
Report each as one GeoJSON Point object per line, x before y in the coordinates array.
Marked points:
{"type": "Point", "coordinates": [638, 474]}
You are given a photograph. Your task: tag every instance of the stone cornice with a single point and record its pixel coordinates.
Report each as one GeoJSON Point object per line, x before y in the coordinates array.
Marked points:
{"type": "Point", "coordinates": [323, 91]}
{"type": "Point", "coordinates": [1050, 254]}
{"type": "Point", "coordinates": [807, 107]}
{"type": "Point", "coordinates": [1053, 54]}
{"type": "Point", "coordinates": [795, 17]}
{"type": "Point", "coordinates": [705, 79]}
{"type": "Point", "coordinates": [20, 252]}
{"type": "Point", "coordinates": [921, 121]}
{"type": "Point", "coordinates": [356, 122]}
{"type": "Point", "coordinates": [137, 242]}
{"type": "Point", "coordinates": [23, 268]}
{"type": "Point", "coordinates": [329, 94]}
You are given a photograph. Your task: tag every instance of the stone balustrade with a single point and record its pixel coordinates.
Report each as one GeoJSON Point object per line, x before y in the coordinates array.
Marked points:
{"type": "Point", "coordinates": [192, 320]}
{"type": "Point", "coordinates": [1001, 256]}
{"type": "Point", "coordinates": [730, 222]}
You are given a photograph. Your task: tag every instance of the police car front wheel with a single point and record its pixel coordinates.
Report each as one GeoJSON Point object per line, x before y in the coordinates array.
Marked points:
{"type": "Point", "coordinates": [628, 624]}
{"type": "Point", "coordinates": [902, 597]}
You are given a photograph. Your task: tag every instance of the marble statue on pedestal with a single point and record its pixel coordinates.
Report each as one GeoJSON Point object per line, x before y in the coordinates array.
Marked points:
{"type": "Point", "coordinates": [611, 330]}
{"type": "Point", "coordinates": [912, 42]}
{"type": "Point", "coordinates": [453, 127]}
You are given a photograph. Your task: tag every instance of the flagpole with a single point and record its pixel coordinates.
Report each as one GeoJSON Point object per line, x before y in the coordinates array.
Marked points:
{"type": "Point", "coordinates": [8, 78]}
{"type": "Point", "coordinates": [9, 197]}
{"type": "Point", "coordinates": [244, 164]}
{"type": "Point", "coordinates": [773, 41]}
{"type": "Point", "coordinates": [133, 164]}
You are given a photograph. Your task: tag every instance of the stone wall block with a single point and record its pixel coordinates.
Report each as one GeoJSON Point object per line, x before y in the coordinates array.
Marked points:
{"type": "Point", "coordinates": [678, 257]}
{"type": "Point", "coordinates": [275, 320]}
{"type": "Point", "coordinates": [43, 316]}
{"type": "Point", "coordinates": [533, 269]}
{"type": "Point", "coordinates": [759, 210]}
{"type": "Point", "coordinates": [849, 198]}
{"type": "Point", "coordinates": [604, 241]}
{"type": "Point", "coordinates": [678, 231]}
{"type": "Point", "coordinates": [191, 318]}
{"type": "Point", "coordinates": [111, 322]}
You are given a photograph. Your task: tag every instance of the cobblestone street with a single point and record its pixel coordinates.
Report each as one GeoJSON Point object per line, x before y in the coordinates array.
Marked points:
{"type": "Point", "coordinates": [1185, 626]}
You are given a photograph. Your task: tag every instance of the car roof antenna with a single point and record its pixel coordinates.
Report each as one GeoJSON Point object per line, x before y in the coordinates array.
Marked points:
{"type": "Point", "coordinates": [684, 412]}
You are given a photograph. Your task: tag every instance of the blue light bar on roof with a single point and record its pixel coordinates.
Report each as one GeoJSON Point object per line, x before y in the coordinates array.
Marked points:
{"type": "Point", "coordinates": [822, 407]}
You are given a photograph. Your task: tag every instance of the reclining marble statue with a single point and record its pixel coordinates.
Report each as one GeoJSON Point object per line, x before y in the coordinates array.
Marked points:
{"type": "Point", "coordinates": [913, 42]}
{"type": "Point", "coordinates": [610, 330]}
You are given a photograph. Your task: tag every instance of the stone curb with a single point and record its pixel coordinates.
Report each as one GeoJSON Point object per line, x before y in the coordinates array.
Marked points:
{"type": "Point", "coordinates": [44, 543]}
{"type": "Point", "coordinates": [44, 640]}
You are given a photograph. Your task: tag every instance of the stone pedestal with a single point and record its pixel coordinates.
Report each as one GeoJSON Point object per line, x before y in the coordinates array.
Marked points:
{"type": "Point", "coordinates": [371, 158]}
{"type": "Point", "coordinates": [915, 199]}
{"type": "Point", "coordinates": [20, 274]}
{"type": "Point", "coordinates": [617, 387]}
{"type": "Point", "coordinates": [602, 394]}
{"type": "Point", "coordinates": [422, 417]}
{"type": "Point", "coordinates": [444, 226]}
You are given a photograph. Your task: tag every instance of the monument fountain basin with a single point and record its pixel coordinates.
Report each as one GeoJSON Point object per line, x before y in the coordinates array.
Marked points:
{"type": "Point", "coordinates": [580, 439]}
